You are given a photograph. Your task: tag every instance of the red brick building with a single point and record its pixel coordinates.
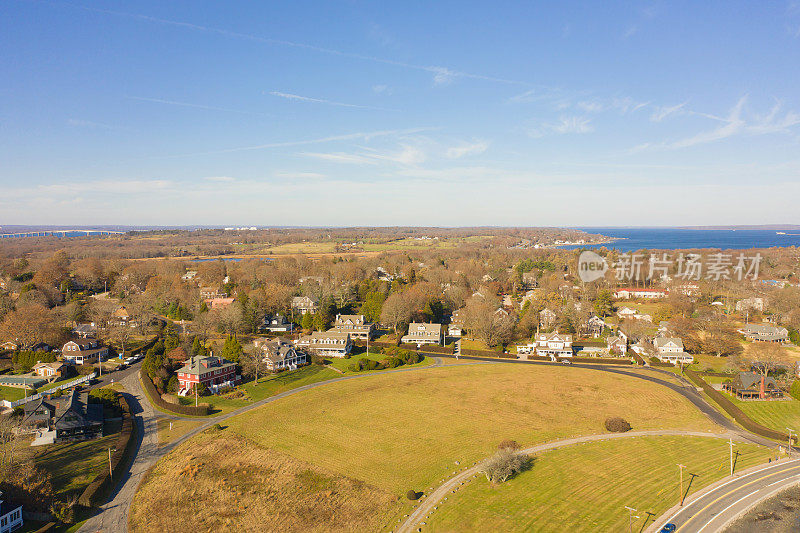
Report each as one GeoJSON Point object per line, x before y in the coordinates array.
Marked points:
{"type": "Point", "coordinates": [213, 372]}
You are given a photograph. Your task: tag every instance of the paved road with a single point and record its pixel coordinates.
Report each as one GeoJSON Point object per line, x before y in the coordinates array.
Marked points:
{"type": "Point", "coordinates": [113, 516]}
{"type": "Point", "coordinates": [452, 484]}
{"type": "Point", "coordinates": [710, 510]}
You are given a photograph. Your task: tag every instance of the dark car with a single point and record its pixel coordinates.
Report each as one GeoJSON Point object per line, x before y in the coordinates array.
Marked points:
{"type": "Point", "coordinates": [668, 528]}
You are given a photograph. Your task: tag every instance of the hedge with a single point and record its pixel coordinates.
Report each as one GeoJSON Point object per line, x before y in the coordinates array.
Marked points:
{"type": "Point", "coordinates": [94, 494]}
{"type": "Point", "coordinates": [425, 347]}
{"type": "Point", "coordinates": [599, 360]}
{"type": "Point", "coordinates": [480, 353]}
{"type": "Point", "coordinates": [737, 414]}
{"type": "Point", "coordinates": [155, 398]}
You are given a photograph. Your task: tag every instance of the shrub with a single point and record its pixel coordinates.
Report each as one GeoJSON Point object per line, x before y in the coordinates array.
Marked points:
{"type": "Point", "coordinates": [504, 464]}
{"type": "Point", "coordinates": [795, 390]}
{"type": "Point", "coordinates": [392, 362]}
{"type": "Point", "coordinates": [616, 424]}
{"type": "Point", "coordinates": [509, 445]}
{"type": "Point", "coordinates": [413, 495]}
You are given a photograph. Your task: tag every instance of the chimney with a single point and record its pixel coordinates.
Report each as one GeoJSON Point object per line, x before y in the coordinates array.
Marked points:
{"type": "Point", "coordinates": [762, 393]}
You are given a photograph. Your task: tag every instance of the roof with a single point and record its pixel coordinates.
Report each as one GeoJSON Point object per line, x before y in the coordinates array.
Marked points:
{"type": "Point", "coordinates": [663, 341]}
{"type": "Point", "coordinates": [355, 320]}
{"type": "Point", "coordinates": [200, 365]}
{"type": "Point", "coordinates": [764, 331]}
{"type": "Point", "coordinates": [750, 380]}
{"type": "Point", "coordinates": [64, 412]}
{"type": "Point", "coordinates": [546, 337]}
{"type": "Point", "coordinates": [7, 507]}
{"type": "Point", "coordinates": [277, 350]}
{"type": "Point", "coordinates": [55, 365]}
{"type": "Point", "coordinates": [85, 328]}
{"type": "Point", "coordinates": [424, 327]}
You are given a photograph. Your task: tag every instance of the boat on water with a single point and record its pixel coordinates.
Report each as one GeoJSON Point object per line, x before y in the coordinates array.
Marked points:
{"type": "Point", "coordinates": [780, 233]}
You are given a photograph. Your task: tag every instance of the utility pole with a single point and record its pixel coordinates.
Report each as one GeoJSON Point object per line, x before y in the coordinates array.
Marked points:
{"type": "Point", "coordinates": [789, 449]}
{"type": "Point", "coordinates": [731, 444]}
{"type": "Point", "coordinates": [681, 467]}
{"type": "Point", "coordinates": [110, 471]}
{"type": "Point", "coordinates": [631, 510]}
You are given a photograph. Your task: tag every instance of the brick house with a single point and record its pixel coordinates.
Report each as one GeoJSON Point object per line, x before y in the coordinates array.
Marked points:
{"type": "Point", "coordinates": [213, 372]}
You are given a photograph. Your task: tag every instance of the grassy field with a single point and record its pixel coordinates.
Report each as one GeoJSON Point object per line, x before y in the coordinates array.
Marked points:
{"type": "Point", "coordinates": [12, 394]}
{"type": "Point", "coordinates": [775, 414]}
{"type": "Point", "coordinates": [343, 364]}
{"type": "Point", "coordinates": [72, 465]}
{"type": "Point", "coordinates": [221, 482]}
{"type": "Point", "coordinates": [403, 431]}
{"type": "Point", "coordinates": [586, 487]}
{"type": "Point", "coordinates": [266, 387]}
{"type": "Point", "coordinates": [169, 430]}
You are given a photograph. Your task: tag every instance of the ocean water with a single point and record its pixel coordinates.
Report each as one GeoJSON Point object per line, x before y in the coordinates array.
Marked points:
{"type": "Point", "coordinates": [672, 239]}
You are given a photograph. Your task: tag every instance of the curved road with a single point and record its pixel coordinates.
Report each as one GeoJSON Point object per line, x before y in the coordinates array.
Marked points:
{"type": "Point", "coordinates": [113, 516]}
{"type": "Point", "coordinates": [454, 482]}
{"type": "Point", "coordinates": [713, 508]}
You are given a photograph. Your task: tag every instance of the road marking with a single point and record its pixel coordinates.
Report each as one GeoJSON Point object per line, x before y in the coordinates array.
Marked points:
{"type": "Point", "coordinates": [782, 480]}
{"type": "Point", "coordinates": [723, 511]}
{"type": "Point", "coordinates": [686, 507]}
{"type": "Point", "coordinates": [728, 494]}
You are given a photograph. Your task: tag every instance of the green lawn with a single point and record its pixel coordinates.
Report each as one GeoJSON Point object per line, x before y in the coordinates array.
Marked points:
{"type": "Point", "coordinates": [775, 414]}
{"type": "Point", "coordinates": [266, 387]}
{"type": "Point", "coordinates": [405, 430]}
{"type": "Point", "coordinates": [72, 465]}
{"type": "Point", "coordinates": [12, 394]}
{"type": "Point", "coordinates": [343, 364]}
{"type": "Point", "coordinates": [586, 487]}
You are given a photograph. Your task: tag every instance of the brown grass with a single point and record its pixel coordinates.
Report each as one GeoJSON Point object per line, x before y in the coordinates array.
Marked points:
{"type": "Point", "coordinates": [222, 482]}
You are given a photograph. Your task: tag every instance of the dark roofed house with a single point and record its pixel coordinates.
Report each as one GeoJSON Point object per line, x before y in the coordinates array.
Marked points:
{"type": "Point", "coordinates": [10, 516]}
{"type": "Point", "coordinates": [749, 386]}
{"type": "Point", "coordinates": [85, 331]}
{"type": "Point", "coordinates": [68, 417]}
{"type": "Point", "coordinates": [83, 351]}
{"type": "Point", "coordinates": [276, 324]}
{"type": "Point", "coordinates": [765, 333]}
{"type": "Point", "coordinates": [280, 354]}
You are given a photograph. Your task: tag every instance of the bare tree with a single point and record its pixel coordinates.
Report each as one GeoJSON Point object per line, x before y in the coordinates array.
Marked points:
{"type": "Point", "coordinates": [766, 356]}
{"type": "Point", "coordinates": [503, 464]}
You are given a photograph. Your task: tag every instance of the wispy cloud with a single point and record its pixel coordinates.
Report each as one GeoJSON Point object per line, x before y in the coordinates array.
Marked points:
{"type": "Point", "coordinates": [661, 113]}
{"type": "Point", "coordinates": [292, 175]}
{"type": "Point", "coordinates": [220, 179]}
{"type": "Point", "coordinates": [189, 104]}
{"type": "Point", "coordinates": [298, 98]}
{"type": "Point", "coordinates": [735, 124]}
{"type": "Point", "coordinates": [441, 75]}
{"type": "Point", "coordinates": [91, 124]}
{"type": "Point", "coordinates": [407, 155]}
{"type": "Point", "coordinates": [565, 125]}
{"type": "Point", "coordinates": [365, 136]}
{"type": "Point", "coordinates": [457, 152]}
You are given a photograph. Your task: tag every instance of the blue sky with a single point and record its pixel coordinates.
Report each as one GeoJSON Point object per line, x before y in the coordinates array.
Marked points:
{"type": "Point", "coordinates": [409, 113]}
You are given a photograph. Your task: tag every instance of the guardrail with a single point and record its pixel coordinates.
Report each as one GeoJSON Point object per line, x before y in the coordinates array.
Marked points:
{"type": "Point", "coordinates": [22, 401]}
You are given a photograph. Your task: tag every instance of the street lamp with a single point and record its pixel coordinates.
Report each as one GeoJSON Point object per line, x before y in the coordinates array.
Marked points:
{"type": "Point", "coordinates": [681, 467]}
{"type": "Point", "coordinates": [631, 510]}
{"type": "Point", "coordinates": [110, 471]}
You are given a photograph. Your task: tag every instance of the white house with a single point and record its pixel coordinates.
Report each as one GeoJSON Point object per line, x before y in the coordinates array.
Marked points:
{"type": "Point", "coordinates": [670, 350]}
{"type": "Point", "coordinates": [305, 304]}
{"type": "Point", "coordinates": [280, 354]}
{"type": "Point", "coordinates": [333, 343]}
{"type": "Point", "coordinates": [423, 333]}
{"type": "Point", "coordinates": [648, 294]}
{"type": "Point", "coordinates": [554, 345]}
{"type": "Point", "coordinates": [10, 516]}
{"type": "Point", "coordinates": [356, 325]}
{"type": "Point", "coordinates": [83, 351]}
